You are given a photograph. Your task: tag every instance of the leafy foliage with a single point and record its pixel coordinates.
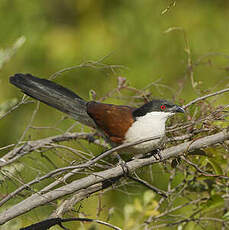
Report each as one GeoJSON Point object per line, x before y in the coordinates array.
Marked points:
{"type": "Point", "coordinates": [173, 49]}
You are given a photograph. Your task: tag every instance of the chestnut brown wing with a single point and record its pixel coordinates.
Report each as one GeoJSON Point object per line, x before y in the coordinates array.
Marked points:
{"type": "Point", "coordinates": [114, 120]}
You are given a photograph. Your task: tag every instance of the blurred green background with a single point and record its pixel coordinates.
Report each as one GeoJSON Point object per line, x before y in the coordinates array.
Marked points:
{"type": "Point", "coordinates": [60, 34]}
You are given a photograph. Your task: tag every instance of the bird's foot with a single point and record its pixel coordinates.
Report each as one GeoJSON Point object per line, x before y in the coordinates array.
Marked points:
{"type": "Point", "coordinates": [123, 164]}
{"type": "Point", "coordinates": [157, 154]}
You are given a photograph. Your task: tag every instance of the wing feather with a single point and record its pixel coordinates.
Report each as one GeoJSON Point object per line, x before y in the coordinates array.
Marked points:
{"type": "Point", "coordinates": [113, 120]}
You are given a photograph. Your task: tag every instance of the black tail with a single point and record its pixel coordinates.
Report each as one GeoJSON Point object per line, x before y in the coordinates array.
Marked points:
{"type": "Point", "coordinates": [53, 95]}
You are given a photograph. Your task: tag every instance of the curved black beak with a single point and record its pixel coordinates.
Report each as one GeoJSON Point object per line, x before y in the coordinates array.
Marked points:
{"type": "Point", "coordinates": [179, 109]}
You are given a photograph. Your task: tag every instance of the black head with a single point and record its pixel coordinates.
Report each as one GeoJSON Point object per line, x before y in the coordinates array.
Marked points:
{"type": "Point", "coordinates": [157, 106]}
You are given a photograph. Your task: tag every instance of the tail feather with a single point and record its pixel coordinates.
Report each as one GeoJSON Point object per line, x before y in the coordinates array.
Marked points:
{"type": "Point", "coordinates": [53, 95]}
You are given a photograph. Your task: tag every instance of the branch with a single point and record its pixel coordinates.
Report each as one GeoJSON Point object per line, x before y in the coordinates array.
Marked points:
{"type": "Point", "coordinates": [197, 220]}
{"type": "Point", "coordinates": [149, 186]}
{"type": "Point", "coordinates": [23, 101]}
{"type": "Point", "coordinates": [89, 64]}
{"type": "Point", "coordinates": [203, 172]}
{"type": "Point", "coordinates": [75, 169]}
{"type": "Point", "coordinates": [174, 209]}
{"type": "Point", "coordinates": [37, 199]}
{"type": "Point", "coordinates": [46, 224]}
{"type": "Point", "coordinates": [31, 146]}
{"type": "Point", "coordinates": [79, 167]}
{"type": "Point", "coordinates": [68, 204]}
{"type": "Point", "coordinates": [206, 96]}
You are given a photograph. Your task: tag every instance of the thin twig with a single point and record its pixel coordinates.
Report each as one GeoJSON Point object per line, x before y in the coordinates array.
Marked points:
{"type": "Point", "coordinates": [202, 171]}
{"type": "Point", "coordinates": [146, 184]}
{"type": "Point", "coordinates": [93, 64]}
{"type": "Point", "coordinates": [23, 101]}
{"type": "Point", "coordinates": [206, 96]}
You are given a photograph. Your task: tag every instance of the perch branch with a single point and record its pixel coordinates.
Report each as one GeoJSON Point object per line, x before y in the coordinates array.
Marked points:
{"type": "Point", "coordinates": [37, 199]}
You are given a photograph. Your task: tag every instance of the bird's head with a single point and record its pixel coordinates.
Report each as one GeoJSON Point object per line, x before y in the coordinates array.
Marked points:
{"type": "Point", "coordinates": [160, 106]}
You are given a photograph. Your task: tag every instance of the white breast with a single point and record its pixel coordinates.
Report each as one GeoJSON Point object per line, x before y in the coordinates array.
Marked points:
{"type": "Point", "coordinates": [150, 125]}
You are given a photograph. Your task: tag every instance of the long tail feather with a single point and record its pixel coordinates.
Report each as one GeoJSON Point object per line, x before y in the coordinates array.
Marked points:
{"type": "Point", "coordinates": [53, 95]}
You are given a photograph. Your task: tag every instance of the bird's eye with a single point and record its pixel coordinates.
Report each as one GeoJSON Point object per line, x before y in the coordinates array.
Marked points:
{"type": "Point", "coordinates": [162, 107]}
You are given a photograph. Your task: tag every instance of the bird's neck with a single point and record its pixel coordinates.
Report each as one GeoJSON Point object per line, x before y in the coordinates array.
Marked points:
{"type": "Point", "coordinates": [154, 118]}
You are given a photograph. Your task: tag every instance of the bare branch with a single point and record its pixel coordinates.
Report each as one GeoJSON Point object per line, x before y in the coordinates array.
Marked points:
{"type": "Point", "coordinates": [68, 204]}
{"type": "Point", "coordinates": [23, 101]}
{"type": "Point", "coordinates": [206, 96]}
{"type": "Point", "coordinates": [36, 200]}
{"type": "Point", "coordinates": [89, 64]}
{"type": "Point", "coordinates": [46, 224]}
{"type": "Point", "coordinates": [31, 146]}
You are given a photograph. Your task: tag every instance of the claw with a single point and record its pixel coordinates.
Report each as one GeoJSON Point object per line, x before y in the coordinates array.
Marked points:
{"type": "Point", "coordinates": [157, 154]}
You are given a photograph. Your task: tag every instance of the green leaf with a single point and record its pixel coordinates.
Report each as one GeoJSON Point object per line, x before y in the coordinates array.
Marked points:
{"type": "Point", "coordinates": [226, 216]}
{"type": "Point", "coordinates": [128, 210]}
{"type": "Point", "coordinates": [218, 170]}
{"type": "Point", "coordinates": [198, 152]}
{"type": "Point", "coordinates": [137, 205]}
{"type": "Point", "coordinates": [147, 197]}
{"type": "Point", "coordinates": [214, 202]}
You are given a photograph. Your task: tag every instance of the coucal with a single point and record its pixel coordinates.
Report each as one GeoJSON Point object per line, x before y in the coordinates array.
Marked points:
{"type": "Point", "coordinates": [118, 123]}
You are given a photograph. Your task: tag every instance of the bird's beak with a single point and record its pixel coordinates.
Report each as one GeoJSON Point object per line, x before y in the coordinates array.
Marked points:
{"type": "Point", "coordinates": [179, 109]}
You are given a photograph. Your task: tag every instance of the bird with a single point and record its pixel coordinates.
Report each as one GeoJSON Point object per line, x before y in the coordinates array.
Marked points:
{"type": "Point", "coordinates": [119, 124]}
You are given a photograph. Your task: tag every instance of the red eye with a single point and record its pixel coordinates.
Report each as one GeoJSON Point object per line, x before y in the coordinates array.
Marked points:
{"type": "Point", "coordinates": [163, 107]}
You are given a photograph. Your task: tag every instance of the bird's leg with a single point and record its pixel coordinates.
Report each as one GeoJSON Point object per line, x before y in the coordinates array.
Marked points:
{"type": "Point", "coordinates": [156, 153]}
{"type": "Point", "coordinates": [123, 164]}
